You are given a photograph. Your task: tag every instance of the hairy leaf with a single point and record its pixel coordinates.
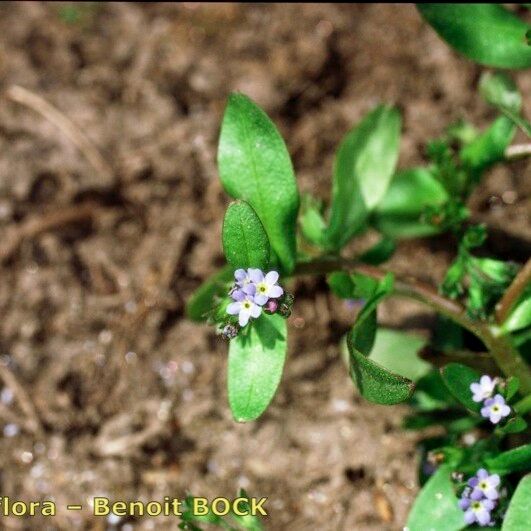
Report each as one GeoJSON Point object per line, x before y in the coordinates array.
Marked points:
{"type": "Point", "coordinates": [375, 382]}
{"type": "Point", "coordinates": [245, 241]}
{"type": "Point", "coordinates": [256, 360]}
{"type": "Point", "coordinates": [486, 33]}
{"type": "Point", "coordinates": [254, 165]}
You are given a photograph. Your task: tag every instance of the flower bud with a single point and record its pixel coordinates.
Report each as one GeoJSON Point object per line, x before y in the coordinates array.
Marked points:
{"type": "Point", "coordinates": [271, 306]}
{"type": "Point", "coordinates": [230, 331]}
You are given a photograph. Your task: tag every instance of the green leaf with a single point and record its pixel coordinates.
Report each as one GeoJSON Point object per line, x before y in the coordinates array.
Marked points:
{"type": "Point", "coordinates": [311, 220]}
{"type": "Point", "coordinates": [375, 382]}
{"type": "Point", "coordinates": [399, 213]}
{"type": "Point", "coordinates": [499, 90]}
{"type": "Point", "coordinates": [511, 461]}
{"type": "Point", "coordinates": [511, 387]}
{"type": "Point", "coordinates": [517, 516]}
{"type": "Point", "coordinates": [489, 147]}
{"type": "Point", "coordinates": [457, 379]}
{"type": "Point", "coordinates": [245, 241]}
{"type": "Point", "coordinates": [380, 252]}
{"type": "Point", "coordinates": [363, 168]}
{"type": "Point", "coordinates": [514, 425]}
{"type": "Point", "coordinates": [208, 295]}
{"type": "Point", "coordinates": [486, 33]}
{"type": "Point", "coordinates": [355, 286]}
{"type": "Point", "coordinates": [255, 166]}
{"type": "Point", "coordinates": [341, 285]}
{"type": "Point", "coordinates": [435, 508]}
{"type": "Point", "coordinates": [397, 351]}
{"type": "Point", "coordinates": [256, 360]}
{"type": "Point", "coordinates": [519, 318]}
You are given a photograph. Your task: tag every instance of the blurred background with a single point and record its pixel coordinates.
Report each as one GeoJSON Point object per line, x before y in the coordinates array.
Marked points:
{"type": "Point", "coordinates": [110, 216]}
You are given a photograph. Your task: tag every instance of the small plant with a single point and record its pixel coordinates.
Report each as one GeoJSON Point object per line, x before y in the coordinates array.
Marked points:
{"type": "Point", "coordinates": [473, 472]}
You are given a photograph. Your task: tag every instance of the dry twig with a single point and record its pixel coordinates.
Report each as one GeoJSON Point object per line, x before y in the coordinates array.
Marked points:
{"type": "Point", "coordinates": [65, 125]}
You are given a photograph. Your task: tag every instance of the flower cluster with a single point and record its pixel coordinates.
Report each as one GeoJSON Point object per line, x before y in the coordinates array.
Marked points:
{"type": "Point", "coordinates": [252, 292]}
{"type": "Point", "coordinates": [494, 407]}
{"type": "Point", "coordinates": [480, 497]}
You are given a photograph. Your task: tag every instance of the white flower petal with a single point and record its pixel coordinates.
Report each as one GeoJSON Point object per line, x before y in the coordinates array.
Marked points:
{"type": "Point", "coordinates": [275, 292]}
{"type": "Point", "coordinates": [271, 277]}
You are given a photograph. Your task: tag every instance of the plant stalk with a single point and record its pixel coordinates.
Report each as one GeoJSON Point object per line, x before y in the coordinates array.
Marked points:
{"type": "Point", "coordinates": [506, 356]}
{"type": "Point", "coordinates": [513, 292]}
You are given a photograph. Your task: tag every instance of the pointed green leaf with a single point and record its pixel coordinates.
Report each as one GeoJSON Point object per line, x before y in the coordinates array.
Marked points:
{"type": "Point", "coordinates": [363, 168]}
{"type": "Point", "coordinates": [207, 296]}
{"type": "Point", "coordinates": [486, 33]}
{"type": "Point", "coordinates": [457, 379]}
{"type": "Point", "coordinates": [511, 461]}
{"type": "Point", "coordinates": [245, 242]}
{"type": "Point", "coordinates": [256, 360]}
{"type": "Point", "coordinates": [517, 517]}
{"type": "Point", "coordinates": [435, 508]}
{"type": "Point", "coordinates": [375, 382]}
{"type": "Point", "coordinates": [519, 318]}
{"type": "Point", "coordinates": [399, 215]}
{"type": "Point", "coordinates": [255, 165]}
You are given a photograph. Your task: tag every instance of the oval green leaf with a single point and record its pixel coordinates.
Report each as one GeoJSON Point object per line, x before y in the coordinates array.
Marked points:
{"type": "Point", "coordinates": [435, 508]}
{"type": "Point", "coordinates": [363, 168]}
{"type": "Point", "coordinates": [485, 33]}
{"type": "Point", "coordinates": [457, 379]}
{"type": "Point", "coordinates": [255, 165]}
{"type": "Point", "coordinates": [256, 360]}
{"type": "Point", "coordinates": [511, 461]}
{"type": "Point", "coordinates": [245, 241]}
{"type": "Point", "coordinates": [517, 516]}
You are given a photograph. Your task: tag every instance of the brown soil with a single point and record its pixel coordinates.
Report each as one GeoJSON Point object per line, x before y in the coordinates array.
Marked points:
{"type": "Point", "coordinates": [115, 392]}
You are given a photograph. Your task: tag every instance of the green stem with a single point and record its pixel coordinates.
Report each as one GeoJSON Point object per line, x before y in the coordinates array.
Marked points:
{"type": "Point", "coordinates": [523, 406]}
{"type": "Point", "coordinates": [506, 356]}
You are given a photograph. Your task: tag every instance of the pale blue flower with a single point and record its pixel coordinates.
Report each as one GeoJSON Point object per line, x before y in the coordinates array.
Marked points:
{"type": "Point", "coordinates": [479, 511]}
{"type": "Point", "coordinates": [483, 389]}
{"type": "Point", "coordinates": [244, 307]}
{"type": "Point", "coordinates": [495, 409]}
{"type": "Point", "coordinates": [484, 485]}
